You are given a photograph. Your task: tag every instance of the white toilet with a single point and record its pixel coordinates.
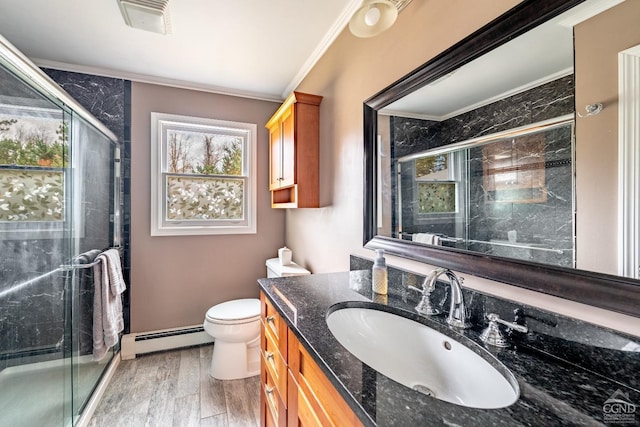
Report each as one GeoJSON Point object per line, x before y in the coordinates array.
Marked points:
{"type": "Point", "coordinates": [235, 327]}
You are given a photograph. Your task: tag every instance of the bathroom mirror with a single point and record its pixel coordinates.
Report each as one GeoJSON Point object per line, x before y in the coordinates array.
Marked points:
{"type": "Point", "coordinates": [475, 161]}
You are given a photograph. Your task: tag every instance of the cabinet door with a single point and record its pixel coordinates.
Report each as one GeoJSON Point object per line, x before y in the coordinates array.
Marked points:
{"type": "Point", "coordinates": [275, 156]}
{"type": "Point", "coordinates": [312, 399]}
{"type": "Point", "coordinates": [288, 149]}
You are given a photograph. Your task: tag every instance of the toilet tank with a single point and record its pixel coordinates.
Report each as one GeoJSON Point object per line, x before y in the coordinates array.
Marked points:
{"type": "Point", "coordinates": [275, 269]}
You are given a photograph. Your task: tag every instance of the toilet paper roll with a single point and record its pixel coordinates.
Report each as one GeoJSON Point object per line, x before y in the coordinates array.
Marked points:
{"type": "Point", "coordinates": [285, 255]}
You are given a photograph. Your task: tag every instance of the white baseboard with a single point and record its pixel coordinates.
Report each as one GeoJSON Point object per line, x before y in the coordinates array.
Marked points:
{"type": "Point", "coordinates": [166, 339]}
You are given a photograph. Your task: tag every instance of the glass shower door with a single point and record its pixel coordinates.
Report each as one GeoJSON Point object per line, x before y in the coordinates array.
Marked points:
{"type": "Point", "coordinates": [95, 187]}
{"type": "Point", "coordinates": [59, 208]}
{"type": "Point", "coordinates": [35, 240]}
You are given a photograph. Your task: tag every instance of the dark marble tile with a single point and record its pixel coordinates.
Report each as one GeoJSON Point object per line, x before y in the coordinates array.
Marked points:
{"type": "Point", "coordinates": [101, 96]}
{"type": "Point", "coordinates": [414, 135]}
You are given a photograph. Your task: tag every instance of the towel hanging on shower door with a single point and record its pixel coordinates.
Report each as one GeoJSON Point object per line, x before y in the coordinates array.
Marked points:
{"type": "Point", "coordinates": [109, 285]}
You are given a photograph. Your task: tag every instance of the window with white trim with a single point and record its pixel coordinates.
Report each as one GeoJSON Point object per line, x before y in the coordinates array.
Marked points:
{"type": "Point", "coordinates": [203, 176]}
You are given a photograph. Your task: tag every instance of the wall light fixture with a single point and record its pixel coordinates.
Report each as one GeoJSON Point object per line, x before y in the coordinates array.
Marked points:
{"type": "Point", "coordinates": [375, 16]}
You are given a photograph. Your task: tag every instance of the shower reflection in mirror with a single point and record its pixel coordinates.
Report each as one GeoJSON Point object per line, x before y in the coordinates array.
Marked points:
{"type": "Point", "coordinates": [507, 194]}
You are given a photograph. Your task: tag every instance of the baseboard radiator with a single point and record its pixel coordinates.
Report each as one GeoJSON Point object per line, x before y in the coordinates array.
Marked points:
{"type": "Point", "coordinates": [166, 339]}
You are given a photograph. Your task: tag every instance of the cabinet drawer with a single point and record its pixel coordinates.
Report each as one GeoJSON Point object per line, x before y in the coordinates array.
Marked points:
{"type": "Point", "coordinates": [273, 411]}
{"type": "Point", "coordinates": [273, 361]}
{"type": "Point", "coordinates": [274, 325]}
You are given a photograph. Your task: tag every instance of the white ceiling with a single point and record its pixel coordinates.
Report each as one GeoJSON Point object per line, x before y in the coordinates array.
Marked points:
{"type": "Point", "coordinates": [260, 48]}
{"type": "Point", "coordinates": [256, 48]}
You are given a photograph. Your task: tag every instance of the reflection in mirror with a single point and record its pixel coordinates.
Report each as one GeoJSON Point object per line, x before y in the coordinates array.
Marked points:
{"type": "Point", "coordinates": [508, 194]}
{"type": "Point", "coordinates": [483, 158]}
{"type": "Point", "coordinates": [482, 102]}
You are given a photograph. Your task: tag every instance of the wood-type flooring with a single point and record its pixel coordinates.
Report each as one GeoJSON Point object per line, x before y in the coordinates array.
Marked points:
{"type": "Point", "coordinates": [173, 388]}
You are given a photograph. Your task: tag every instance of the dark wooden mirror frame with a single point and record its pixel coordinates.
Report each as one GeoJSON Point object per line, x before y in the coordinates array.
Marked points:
{"type": "Point", "coordinates": [610, 292]}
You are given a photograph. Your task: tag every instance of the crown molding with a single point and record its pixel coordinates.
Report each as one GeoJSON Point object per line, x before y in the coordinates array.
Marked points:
{"type": "Point", "coordinates": [484, 102]}
{"type": "Point", "coordinates": [144, 78]}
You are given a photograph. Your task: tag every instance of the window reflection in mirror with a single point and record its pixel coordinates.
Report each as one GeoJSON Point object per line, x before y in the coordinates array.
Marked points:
{"type": "Point", "coordinates": [509, 194]}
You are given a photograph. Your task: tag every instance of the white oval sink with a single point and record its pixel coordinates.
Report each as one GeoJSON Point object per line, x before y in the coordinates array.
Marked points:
{"type": "Point", "coordinates": [423, 359]}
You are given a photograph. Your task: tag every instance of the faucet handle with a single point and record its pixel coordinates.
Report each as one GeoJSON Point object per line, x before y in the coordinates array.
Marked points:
{"type": "Point", "coordinates": [510, 325]}
{"type": "Point", "coordinates": [492, 334]}
{"type": "Point", "coordinates": [425, 307]}
{"type": "Point", "coordinates": [413, 288]}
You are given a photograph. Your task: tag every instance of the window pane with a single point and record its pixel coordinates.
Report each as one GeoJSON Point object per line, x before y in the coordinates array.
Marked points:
{"type": "Point", "coordinates": [33, 151]}
{"type": "Point", "coordinates": [203, 176]}
{"type": "Point", "coordinates": [199, 198]}
{"type": "Point", "coordinates": [31, 195]}
{"type": "Point", "coordinates": [436, 197]}
{"type": "Point", "coordinates": [433, 167]}
{"type": "Point", "coordinates": [204, 153]}
{"type": "Point", "coordinates": [33, 138]}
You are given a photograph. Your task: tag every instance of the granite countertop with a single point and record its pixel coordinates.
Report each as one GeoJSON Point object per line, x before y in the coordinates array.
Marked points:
{"type": "Point", "coordinates": [553, 391]}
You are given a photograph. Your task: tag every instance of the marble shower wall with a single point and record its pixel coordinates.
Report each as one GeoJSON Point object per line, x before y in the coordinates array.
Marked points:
{"type": "Point", "coordinates": [548, 224]}
{"type": "Point", "coordinates": [33, 315]}
{"type": "Point", "coordinates": [109, 100]}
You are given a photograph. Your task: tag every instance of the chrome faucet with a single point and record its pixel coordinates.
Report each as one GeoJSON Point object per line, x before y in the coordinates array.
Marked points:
{"type": "Point", "coordinates": [457, 310]}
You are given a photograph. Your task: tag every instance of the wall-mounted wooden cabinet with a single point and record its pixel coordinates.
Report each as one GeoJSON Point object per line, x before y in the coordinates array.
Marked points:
{"type": "Point", "coordinates": [295, 391]}
{"type": "Point", "coordinates": [294, 152]}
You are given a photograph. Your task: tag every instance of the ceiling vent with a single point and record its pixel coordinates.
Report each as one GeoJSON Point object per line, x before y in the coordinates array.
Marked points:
{"type": "Point", "coordinates": [148, 15]}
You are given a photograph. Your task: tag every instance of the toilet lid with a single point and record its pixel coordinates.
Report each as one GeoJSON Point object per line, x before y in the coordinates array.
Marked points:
{"type": "Point", "coordinates": [239, 309]}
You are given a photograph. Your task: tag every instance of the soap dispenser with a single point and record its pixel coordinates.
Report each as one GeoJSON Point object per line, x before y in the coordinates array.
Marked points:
{"type": "Point", "coordinates": [379, 274]}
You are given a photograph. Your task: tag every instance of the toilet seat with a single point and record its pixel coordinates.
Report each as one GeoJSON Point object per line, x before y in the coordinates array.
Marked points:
{"type": "Point", "coordinates": [235, 312]}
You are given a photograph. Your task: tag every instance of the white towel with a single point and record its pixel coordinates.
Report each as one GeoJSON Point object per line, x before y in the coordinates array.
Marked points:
{"type": "Point", "coordinates": [426, 238]}
{"type": "Point", "coordinates": [107, 302]}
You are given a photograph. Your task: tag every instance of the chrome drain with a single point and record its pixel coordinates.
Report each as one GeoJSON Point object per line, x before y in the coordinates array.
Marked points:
{"type": "Point", "coordinates": [424, 389]}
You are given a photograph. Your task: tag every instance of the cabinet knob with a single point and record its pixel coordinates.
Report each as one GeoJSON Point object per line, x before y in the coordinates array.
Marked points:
{"type": "Point", "coordinates": [269, 390]}
{"type": "Point", "coordinates": [269, 355]}
{"type": "Point", "coordinates": [270, 319]}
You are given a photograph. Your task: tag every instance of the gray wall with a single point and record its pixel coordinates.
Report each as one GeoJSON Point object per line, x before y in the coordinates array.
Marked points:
{"type": "Point", "coordinates": [175, 279]}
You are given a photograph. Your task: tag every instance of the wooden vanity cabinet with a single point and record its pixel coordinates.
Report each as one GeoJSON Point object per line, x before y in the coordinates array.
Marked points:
{"type": "Point", "coordinates": [294, 391]}
{"type": "Point", "coordinates": [294, 162]}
